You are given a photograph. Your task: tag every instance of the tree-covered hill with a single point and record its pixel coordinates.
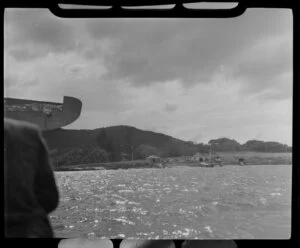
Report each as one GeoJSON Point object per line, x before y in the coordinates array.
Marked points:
{"type": "Point", "coordinates": [122, 135]}
{"type": "Point", "coordinates": [117, 143]}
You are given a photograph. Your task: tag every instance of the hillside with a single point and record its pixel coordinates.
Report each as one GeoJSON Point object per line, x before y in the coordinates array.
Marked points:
{"type": "Point", "coordinates": [64, 138]}
{"type": "Point", "coordinates": [231, 145]}
{"type": "Point", "coordinates": [117, 143]}
{"type": "Point", "coordinates": [126, 135]}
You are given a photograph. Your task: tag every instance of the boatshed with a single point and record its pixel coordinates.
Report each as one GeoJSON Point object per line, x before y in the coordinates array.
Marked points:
{"type": "Point", "coordinates": [198, 157]}
{"type": "Point", "coordinates": [153, 159]}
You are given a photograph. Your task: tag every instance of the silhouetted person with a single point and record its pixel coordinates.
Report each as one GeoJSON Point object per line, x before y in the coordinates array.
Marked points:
{"type": "Point", "coordinates": [30, 191]}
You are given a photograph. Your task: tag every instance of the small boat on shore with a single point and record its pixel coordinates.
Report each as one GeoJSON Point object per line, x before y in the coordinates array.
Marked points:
{"type": "Point", "coordinates": [160, 165]}
{"type": "Point", "coordinates": [210, 165]}
{"type": "Point", "coordinates": [212, 162]}
{"type": "Point", "coordinates": [205, 164]}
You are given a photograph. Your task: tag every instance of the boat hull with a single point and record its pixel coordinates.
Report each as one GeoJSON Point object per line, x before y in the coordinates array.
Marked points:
{"type": "Point", "coordinates": [47, 115]}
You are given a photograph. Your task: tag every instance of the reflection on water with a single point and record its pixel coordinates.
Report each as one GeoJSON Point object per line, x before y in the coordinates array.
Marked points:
{"type": "Point", "coordinates": [228, 202]}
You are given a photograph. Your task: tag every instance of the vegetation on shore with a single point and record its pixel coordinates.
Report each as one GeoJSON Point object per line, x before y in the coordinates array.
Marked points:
{"type": "Point", "coordinates": [250, 158]}
{"type": "Point", "coordinates": [120, 145]}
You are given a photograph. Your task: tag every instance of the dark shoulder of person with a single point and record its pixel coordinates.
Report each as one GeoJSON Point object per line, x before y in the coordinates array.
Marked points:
{"type": "Point", "coordinates": [25, 140]}
{"type": "Point", "coordinates": [21, 132]}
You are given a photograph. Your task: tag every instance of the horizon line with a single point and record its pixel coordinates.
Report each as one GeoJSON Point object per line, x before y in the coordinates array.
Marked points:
{"type": "Point", "coordinates": [92, 129]}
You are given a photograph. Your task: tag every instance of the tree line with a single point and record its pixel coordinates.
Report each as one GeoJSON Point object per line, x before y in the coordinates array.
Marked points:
{"type": "Point", "coordinates": [128, 143]}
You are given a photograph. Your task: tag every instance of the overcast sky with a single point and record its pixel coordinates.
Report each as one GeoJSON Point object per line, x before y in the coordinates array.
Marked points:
{"type": "Point", "coordinates": [194, 79]}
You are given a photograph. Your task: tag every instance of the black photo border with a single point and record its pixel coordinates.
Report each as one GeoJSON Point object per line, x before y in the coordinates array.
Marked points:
{"type": "Point", "coordinates": [180, 12]}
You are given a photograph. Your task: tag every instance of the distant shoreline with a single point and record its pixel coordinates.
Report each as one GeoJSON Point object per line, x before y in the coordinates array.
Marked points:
{"type": "Point", "coordinates": [228, 158]}
{"type": "Point", "coordinates": [99, 168]}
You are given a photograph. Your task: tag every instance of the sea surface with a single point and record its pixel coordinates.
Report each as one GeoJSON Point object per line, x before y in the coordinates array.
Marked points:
{"type": "Point", "coordinates": [230, 202]}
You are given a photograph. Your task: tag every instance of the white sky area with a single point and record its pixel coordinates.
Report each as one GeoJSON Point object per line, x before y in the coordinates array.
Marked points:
{"type": "Point", "coordinates": [193, 79]}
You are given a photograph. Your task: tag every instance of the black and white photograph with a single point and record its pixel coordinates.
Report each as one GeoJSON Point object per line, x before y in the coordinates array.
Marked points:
{"type": "Point", "coordinates": [148, 128]}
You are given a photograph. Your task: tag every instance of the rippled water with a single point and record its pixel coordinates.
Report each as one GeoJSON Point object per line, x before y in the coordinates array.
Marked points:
{"type": "Point", "coordinates": [183, 202]}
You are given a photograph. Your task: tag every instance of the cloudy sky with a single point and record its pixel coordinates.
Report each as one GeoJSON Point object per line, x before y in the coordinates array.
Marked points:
{"type": "Point", "coordinates": [194, 79]}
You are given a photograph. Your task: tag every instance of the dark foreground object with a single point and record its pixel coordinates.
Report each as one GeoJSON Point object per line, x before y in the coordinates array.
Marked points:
{"type": "Point", "coordinates": [29, 185]}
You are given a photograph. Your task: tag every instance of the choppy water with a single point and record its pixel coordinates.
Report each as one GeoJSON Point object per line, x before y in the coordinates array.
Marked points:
{"type": "Point", "coordinates": [183, 202]}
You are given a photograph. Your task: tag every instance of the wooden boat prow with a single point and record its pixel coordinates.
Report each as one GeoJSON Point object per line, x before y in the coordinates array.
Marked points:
{"type": "Point", "coordinates": [47, 115]}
